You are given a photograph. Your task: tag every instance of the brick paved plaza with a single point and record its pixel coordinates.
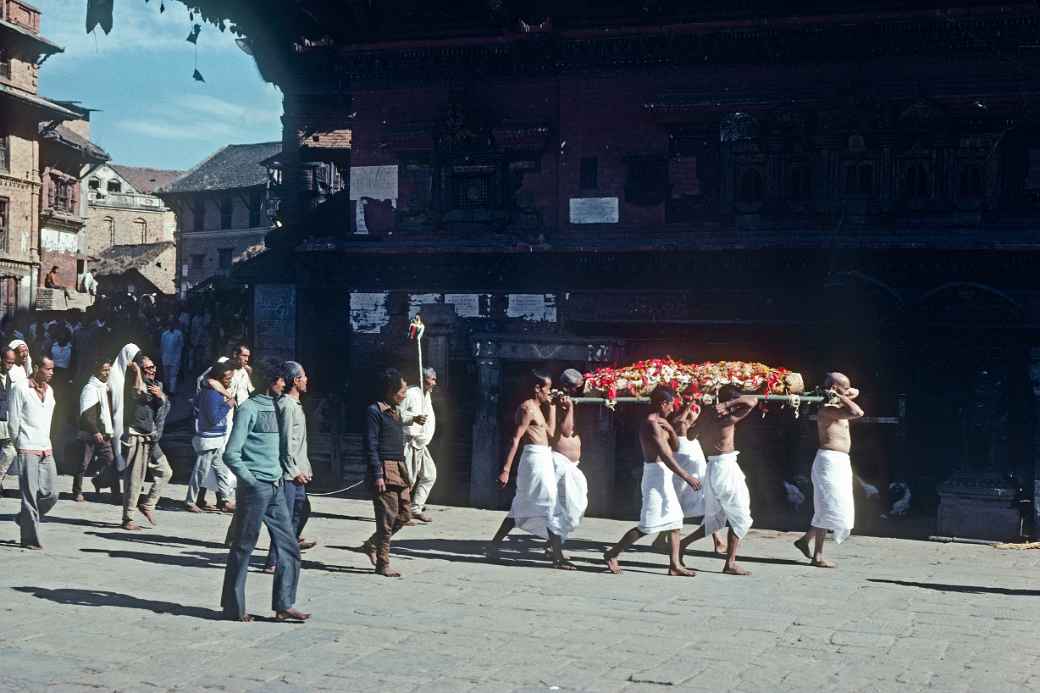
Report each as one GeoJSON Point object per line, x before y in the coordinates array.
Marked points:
{"type": "Point", "coordinates": [103, 609]}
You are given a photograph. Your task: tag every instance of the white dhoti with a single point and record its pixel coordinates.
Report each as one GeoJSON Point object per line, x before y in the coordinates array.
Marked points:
{"type": "Point", "coordinates": [661, 509]}
{"type": "Point", "coordinates": [726, 496]}
{"type": "Point", "coordinates": [690, 458]}
{"type": "Point", "coordinates": [834, 508]}
{"type": "Point", "coordinates": [535, 498]}
{"type": "Point", "coordinates": [572, 497]}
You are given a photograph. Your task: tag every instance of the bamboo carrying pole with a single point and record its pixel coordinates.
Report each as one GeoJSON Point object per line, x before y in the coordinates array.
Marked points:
{"type": "Point", "coordinates": [644, 400]}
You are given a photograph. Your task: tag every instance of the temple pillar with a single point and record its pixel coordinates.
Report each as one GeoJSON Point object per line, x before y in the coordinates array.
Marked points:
{"type": "Point", "coordinates": [1034, 379]}
{"type": "Point", "coordinates": [487, 455]}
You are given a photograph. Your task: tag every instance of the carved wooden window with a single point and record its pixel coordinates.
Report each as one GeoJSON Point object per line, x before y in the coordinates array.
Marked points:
{"type": "Point", "coordinates": [256, 203]}
{"type": "Point", "coordinates": [198, 214]}
{"type": "Point", "coordinates": [799, 184]}
{"type": "Point", "coordinates": [61, 194]}
{"type": "Point", "coordinates": [751, 190]}
{"type": "Point", "coordinates": [859, 179]}
{"type": "Point", "coordinates": [115, 186]}
{"type": "Point", "coordinates": [5, 152]}
{"type": "Point", "coordinates": [471, 191]}
{"type": "Point", "coordinates": [647, 181]}
{"type": "Point", "coordinates": [589, 174]}
{"type": "Point", "coordinates": [227, 208]}
{"type": "Point", "coordinates": [94, 185]}
{"type": "Point", "coordinates": [917, 183]}
{"type": "Point", "coordinates": [971, 187]}
{"type": "Point", "coordinates": [415, 184]}
{"type": "Point", "coordinates": [5, 207]}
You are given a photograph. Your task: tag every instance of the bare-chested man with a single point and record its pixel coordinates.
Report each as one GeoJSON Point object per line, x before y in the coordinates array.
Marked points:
{"type": "Point", "coordinates": [727, 500]}
{"type": "Point", "coordinates": [535, 498]}
{"type": "Point", "coordinates": [832, 476]}
{"type": "Point", "coordinates": [572, 489]}
{"type": "Point", "coordinates": [661, 510]}
{"type": "Point", "coordinates": [690, 456]}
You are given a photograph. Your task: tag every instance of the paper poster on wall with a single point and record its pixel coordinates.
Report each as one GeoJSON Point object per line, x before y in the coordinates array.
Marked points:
{"type": "Point", "coordinates": [274, 320]}
{"type": "Point", "coordinates": [594, 210]}
{"type": "Point", "coordinates": [470, 305]}
{"type": "Point", "coordinates": [417, 301]}
{"type": "Point", "coordinates": [368, 312]}
{"type": "Point", "coordinates": [532, 307]}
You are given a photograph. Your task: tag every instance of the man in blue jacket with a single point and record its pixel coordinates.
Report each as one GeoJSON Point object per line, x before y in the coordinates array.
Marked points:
{"type": "Point", "coordinates": [252, 455]}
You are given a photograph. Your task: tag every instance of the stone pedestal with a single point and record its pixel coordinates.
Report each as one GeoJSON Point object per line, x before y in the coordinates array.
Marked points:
{"type": "Point", "coordinates": [978, 506]}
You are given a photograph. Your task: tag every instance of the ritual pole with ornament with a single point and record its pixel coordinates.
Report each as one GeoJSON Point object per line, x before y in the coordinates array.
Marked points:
{"type": "Point", "coordinates": [415, 331]}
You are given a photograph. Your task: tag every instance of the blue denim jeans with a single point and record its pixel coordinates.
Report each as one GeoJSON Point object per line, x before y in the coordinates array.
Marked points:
{"type": "Point", "coordinates": [295, 500]}
{"type": "Point", "coordinates": [261, 503]}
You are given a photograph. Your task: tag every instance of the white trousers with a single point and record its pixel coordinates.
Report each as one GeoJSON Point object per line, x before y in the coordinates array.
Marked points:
{"type": "Point", "coordinates": [423, 472]}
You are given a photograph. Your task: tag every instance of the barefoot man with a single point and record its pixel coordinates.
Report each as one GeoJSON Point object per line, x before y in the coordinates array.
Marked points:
{"type": "Point", "coordinates": [727, 500]}
{"type": "Point", "coordinates": [572, 489]}
{"type": "Point", "coordinates": [832, 470]}
{"type": "Point", "coordinates": [690, 456]}
{"type": "Point", "coordinates": [661, 510]}
{"type": "Point", "coordinates": [535, 498]}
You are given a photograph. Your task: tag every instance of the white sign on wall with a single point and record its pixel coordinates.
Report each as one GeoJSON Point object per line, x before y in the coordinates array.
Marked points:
{"type": "Point", "coordinates": [376, 182]}
{"type": "Point", "coordinates": [533, 307]}
{"type": "Point", "coordinates": [594, 210]}
{"type": "Point", "coordinates": [59, 241]}
{"type": "Point", "coordinates": [469, 305]}
{"type": "Point", "coordinates": [368, 312]}
{"type": "Point", "coordinates": [417, 301]}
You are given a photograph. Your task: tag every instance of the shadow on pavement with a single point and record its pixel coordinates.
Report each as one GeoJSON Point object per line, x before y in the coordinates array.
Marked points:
{"type": "Point", "coordinates": [115, 599]}
{"type": "Point", "coordinates": [190, 559]}
{"type": "Point", "coordinates": [468, 551]}
{"type": "Point", "coordinates": [967, 589]}
{"type": "Point", "coordinates": [333, 516]}
{"type": "Point", "coordinates": [157, 539]}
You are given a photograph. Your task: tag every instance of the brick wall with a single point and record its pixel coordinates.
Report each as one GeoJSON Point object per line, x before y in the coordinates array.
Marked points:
{"type": "Point", "coordinates": [108, 226]}
{"type": "Point", "coordinates": [20, 185]}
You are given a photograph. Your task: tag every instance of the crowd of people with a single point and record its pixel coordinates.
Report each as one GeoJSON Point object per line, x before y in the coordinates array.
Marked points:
{"type": "Point", "coordinates": [251, 450]}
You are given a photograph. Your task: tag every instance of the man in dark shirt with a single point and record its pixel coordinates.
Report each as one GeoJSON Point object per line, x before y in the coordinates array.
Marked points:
{"type": "Point", "coordinates": [387, 477]}
{"type": "Point", "coordinates": [144, 419]}
{"type": "Point", "coordinates": [95, 432]}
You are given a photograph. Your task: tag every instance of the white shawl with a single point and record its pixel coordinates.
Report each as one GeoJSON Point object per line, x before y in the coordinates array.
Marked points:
{"type": "Point", "coordinates": [116, 383]}
{"type": "Point", "coordinates": [27, 367]}
{"type": "Point", "coordinates": [95, 392]}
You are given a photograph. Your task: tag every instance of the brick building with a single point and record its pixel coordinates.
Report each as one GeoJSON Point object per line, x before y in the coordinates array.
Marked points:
{"type": "Point", "coordinates": [22, 111]}
{"type": "Point", "coordinates": [129, 228]}
{"type": "Point", "coordinates": [573, 184]}
{"type": "Point", "coordinates": [223, 209]}
{"type": "Point", "coordinates": [65, 150]}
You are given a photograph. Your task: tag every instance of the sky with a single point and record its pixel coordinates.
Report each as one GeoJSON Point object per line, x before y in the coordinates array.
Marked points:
{"type": "Point", "coordinates": [139, 77]}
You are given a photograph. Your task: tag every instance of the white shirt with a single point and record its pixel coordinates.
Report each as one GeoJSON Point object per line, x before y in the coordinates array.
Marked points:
{"type": "Point", "coordinates": [29, 418]}
{"type": "Point", "coordinates": [416, 402]}
{"type": "Point", "coordinates": [241, 385]}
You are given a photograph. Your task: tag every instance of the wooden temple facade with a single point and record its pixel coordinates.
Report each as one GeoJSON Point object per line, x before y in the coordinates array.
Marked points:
{"type": "Point", "coordinates": [834, 188]}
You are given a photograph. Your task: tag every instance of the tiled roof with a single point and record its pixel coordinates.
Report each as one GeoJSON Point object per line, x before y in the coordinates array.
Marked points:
{"type": "Point", "coordinates": [146, 180]}
{"type": "Point", "coordinates": [52, 109]}
{"type": "Point", "coordinates": [234, 166]}
{"type": "Point", "coordinates": [73, 139]}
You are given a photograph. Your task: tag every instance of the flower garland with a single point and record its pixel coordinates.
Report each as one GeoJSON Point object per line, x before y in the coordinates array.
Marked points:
{"type": "Point", "coordinates": [693, 382]}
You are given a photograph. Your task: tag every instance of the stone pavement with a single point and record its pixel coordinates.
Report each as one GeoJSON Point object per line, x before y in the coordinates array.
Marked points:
{"type": "Point", "coordinates": [103, 609]}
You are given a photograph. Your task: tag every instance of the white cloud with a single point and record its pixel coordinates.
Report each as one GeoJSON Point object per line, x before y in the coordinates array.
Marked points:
{"type": "Point", "coordinates": [136, 25]}
{"type": "Point", "coordinates": [164, 130]}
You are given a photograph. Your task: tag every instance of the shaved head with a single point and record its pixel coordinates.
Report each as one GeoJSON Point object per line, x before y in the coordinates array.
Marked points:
{"type": "Point", "coordinates": [837, 379]}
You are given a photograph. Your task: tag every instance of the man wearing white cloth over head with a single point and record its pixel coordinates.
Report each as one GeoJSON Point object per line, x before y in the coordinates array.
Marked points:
{"type": "Point", "coordinates": [661, 510]}
{"type": "Point", "coordinates": [834, 508]}
{"type": "Point", "coordinates": [535, 498]}
{"type": "Point", "coordinates": [727, 500]}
